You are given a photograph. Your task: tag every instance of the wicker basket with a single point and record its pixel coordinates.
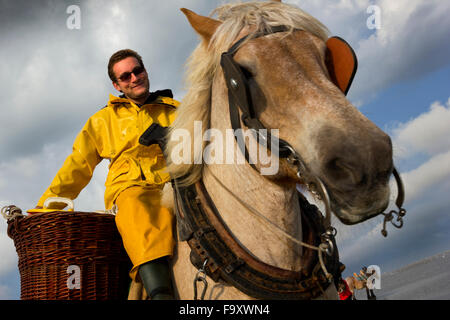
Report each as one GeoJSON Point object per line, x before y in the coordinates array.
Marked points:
{"type": "Point", "coordinates": [70, 256]}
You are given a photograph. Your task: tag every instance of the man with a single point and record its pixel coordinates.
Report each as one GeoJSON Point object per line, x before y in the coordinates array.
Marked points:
{"type": "Point", "coordinates": [136, 173]}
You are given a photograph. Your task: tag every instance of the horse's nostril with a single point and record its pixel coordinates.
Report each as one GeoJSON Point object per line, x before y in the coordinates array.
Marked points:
{"type": "Point", "coordinates": [345, 172]}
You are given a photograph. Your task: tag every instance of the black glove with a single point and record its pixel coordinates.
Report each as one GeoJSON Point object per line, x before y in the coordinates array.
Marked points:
{"type": "Point", "coordinates": [155, 134]}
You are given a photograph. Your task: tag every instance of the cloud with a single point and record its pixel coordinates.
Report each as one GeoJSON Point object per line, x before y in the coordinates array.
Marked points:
{"type": "Point", "coordinates": [423, 234]}
{"type": "Point", "coordinates": [91, 198]}
{"type": "Point", "coordinates": [114, 31]}
{"type": "Point", "coordinates": [429, 175]}
{"type": "Point", "coordinates": [425, 135]}
{"type": "Point", "coordinates": [427, 186]}
{"type": "Point", "coordinates": [50, 94]}
{"type": "Point", "coordinates": [343, 18]}
{"type": "Point", "coordinates": [5, 292]}
{"type": "Point", "coordinates": [25, 179]}
{"type": "Point", "coordinates": [54, 78]}
{"type": "Point", "coordinates": [407, 46]}
{"type": "Point", "coordinates": [428, 133]}
{"type": "Point", "coordinates": [403, 48]}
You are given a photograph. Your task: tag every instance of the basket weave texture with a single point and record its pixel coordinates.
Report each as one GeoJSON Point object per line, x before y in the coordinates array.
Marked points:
{"type": "Point", "coordinates": [49, 245]}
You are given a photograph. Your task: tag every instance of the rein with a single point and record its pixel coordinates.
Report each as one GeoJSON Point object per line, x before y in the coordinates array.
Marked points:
{"type": "Point", "coordinates": [325, 247]}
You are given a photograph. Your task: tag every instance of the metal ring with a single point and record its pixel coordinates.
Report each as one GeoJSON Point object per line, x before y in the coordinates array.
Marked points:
{"type": "Point", "coordinates": [331, 231]}
{"type": "Point", "coordinates": [325, 199]}
{"type": "Point", "coordinates": [292, 159]}
{"type": "Point", "coordinates": [400, 224]}
{"type": "Point", "coordinates": [204, 265]}
{"type": "Point", "coordinates": [329, 246]}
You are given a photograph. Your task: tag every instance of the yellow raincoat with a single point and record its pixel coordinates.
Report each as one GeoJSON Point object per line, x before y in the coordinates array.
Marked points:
{"type": "Point", "coordinates": [113, 133]}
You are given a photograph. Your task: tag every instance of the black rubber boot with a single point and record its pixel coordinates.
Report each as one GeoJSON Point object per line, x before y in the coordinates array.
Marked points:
{"type": "Point", "coordinates": [155, 276]}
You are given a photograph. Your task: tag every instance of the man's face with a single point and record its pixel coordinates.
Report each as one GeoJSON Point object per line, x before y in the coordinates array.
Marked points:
{"type": "Point", "coordinates": [132, 79]}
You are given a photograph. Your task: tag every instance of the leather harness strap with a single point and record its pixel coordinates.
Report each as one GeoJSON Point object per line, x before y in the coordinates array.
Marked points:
{"type": "Point", "coordinates": [239, 99]}
{"type": "Point", "coordinates": [199, 223]}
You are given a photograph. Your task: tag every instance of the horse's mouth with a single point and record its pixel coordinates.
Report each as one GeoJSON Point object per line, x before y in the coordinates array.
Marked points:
{"type": "Point", "coordinates": [350, 219]}
{"type": "Point", "coordinates": [354, 213]}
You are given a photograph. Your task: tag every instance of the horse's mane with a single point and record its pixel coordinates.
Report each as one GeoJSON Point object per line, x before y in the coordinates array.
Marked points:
{"type": "Point", "coordinates": [205, 61]}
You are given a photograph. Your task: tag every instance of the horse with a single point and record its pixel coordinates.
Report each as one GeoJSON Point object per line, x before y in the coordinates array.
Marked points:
{"type": "Point", "coordinates": [267, 242]}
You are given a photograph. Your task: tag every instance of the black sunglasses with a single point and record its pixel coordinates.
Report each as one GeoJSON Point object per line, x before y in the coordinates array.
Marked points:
{"type": "Point", "coordinates": [126, 76]}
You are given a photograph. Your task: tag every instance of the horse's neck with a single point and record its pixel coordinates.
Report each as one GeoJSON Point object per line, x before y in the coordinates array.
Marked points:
{"type": "Point", "coordinates": [279, 205]}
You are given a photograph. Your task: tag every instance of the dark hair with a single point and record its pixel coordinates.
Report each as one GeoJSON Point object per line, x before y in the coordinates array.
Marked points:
{"type": "Point", "coordinates": [119, 56]}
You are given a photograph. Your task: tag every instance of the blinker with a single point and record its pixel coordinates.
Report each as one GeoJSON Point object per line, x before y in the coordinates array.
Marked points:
{"type": "Point", "coordinates": [341, 63]}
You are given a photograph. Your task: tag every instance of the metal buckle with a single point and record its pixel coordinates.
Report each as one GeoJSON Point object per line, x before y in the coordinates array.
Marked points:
{"type": "Point", "coordinates": [327, 239]}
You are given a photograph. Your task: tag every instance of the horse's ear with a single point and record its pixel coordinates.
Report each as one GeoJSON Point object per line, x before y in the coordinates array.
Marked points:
{"type": "Point", "coordinates": [204, 26]}
{"type": "Point", "coordinates": [341, 63]}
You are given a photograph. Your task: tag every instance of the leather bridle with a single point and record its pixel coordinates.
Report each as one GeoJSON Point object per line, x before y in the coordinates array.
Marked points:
{"type": "Point", "coordinates": [239, 97]}
{"type": "Point", "coordinates": [241, 108]}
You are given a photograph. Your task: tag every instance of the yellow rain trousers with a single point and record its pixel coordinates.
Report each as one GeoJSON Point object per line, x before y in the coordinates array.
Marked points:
{"type": "Point", "coordinates": [135, 173]}
{"type": "Point", "coordinates": [151, 225]}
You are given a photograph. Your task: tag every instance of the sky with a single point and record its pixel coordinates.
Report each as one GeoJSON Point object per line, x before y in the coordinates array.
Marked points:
{"type": "Point", "coordinates": [53, 77]}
